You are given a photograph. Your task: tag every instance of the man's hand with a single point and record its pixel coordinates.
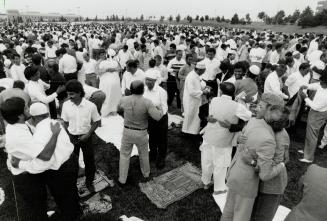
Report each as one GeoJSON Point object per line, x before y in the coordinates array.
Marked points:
{"type": "Point", "coordinates": [55, 128]}
{"type": "Point", "coordinates": [224, 124]}
{"type": "Point", "coordinates": [303, 95]}
{"type": "Point", "coordinates": [84, 138]}
{"type": "Point", "coordinates": [211, 119]}
{"type": "Point", "coordinates": [60, 89]}
{"type": "Point", "coordinates": [242, 139]}
{"type": "Point", "coordinates": [15, 162]}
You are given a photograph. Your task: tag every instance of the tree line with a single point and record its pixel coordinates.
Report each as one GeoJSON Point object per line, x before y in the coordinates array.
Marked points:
{"type": "Point", "coordinates": [306, 18]}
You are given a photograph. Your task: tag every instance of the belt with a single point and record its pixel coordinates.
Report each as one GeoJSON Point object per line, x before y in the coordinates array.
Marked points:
{"type": "Point", "coordinates": [133, 128]}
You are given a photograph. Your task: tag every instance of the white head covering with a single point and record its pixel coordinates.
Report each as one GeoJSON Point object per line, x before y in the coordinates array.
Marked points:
{"type": "Point", "coordinates": [37, 109]}
{"type": "Point", "coordinates": [200, 65]}
{"type": "Point", "coordinates": [152, 74]}
{"type": "Point", "coordinates": [254, 69]}
{"type": "Point", "coordinates": [111, 52]}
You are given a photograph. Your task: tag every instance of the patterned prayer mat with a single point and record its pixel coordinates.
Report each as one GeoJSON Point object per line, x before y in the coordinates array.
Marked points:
{"type": "Point", "coordinates": [173, 185]}
{"type": "Point", "coordinates": [100, 182]}
{"type": "Point", "coordinates": [98, 204]}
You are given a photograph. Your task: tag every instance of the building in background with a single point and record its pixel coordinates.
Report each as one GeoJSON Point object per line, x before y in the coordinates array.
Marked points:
{"type": "Point", "coordinates": [15, 15]}
{"type": "Point", "coordinates": [321, 5]}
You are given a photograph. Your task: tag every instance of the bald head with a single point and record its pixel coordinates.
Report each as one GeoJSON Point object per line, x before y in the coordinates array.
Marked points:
{"type": "Point", "coordinates": [137, 87]}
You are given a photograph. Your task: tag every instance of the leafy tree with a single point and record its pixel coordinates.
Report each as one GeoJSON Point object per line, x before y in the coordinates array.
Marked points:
{"type": "Point", "coordinates": [162, 18]}
{"type": "Point", "coordinates": [197, 17]}
{"type": "Point", "coordinates": [248, 18]}
{"type": "Point", "coordinates": [321, 18]}
{"type": "Point", "coordinates": [107, 18]}
{"type": "Point", "coordinates": [218, 19]}
{"type": "Point", "coordinates": [242, 21]}
{"type": "Point", "coordinates": [206, 17]}
{"type": "Point", "coordinates": [142, 17]}
{"type": "Point", "coordinates": [235, 19]}
{"type": "Point", "coordinates": [279, 17]}
{"type": "Point", "coordinates": [96, 18]}
{"type": "Point", "coordinates": [223, 19]}
{"type": "Point", "coordinates": [295, 17]}
{"type": "Point", "coordinates": [201, 19]}
{"type": "Point", "coordinates": [307, 18]}
{"type": "Point", "coordinates": [262, 16]}
{"type": "Point", "coordinates": [170, 18]}
{"type": "Point", "coordinates": [189, 19]}
{"type": "Point", "coordinates": [178, 18]}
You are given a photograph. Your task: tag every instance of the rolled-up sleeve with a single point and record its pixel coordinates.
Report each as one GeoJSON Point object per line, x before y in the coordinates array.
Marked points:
{"type": "Point", "coordinates": [243, 113]}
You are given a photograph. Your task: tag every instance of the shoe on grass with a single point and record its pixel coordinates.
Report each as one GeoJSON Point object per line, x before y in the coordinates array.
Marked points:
{"type": "Point", "coordinates": [300, 151]}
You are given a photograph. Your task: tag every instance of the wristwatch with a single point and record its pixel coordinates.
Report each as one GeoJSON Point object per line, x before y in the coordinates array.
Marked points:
{"type": "Point", "coordinates": [253, 163]}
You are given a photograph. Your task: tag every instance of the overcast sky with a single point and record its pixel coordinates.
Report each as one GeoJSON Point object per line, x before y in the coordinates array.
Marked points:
{"type": "Point", "coordinates": [133, 8]}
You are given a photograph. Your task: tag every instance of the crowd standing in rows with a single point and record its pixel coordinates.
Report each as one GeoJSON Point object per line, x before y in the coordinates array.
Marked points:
{"type": "Point", "coordinates": [244, 91]}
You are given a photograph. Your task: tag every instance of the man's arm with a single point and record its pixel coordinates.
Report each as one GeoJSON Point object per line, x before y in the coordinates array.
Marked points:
{"type": "Point", "coordinates": [96, 121]}
{"type": "Point", "coordinates": [50, 147]}
{"type": "Point", "coordinates": [153, 111]}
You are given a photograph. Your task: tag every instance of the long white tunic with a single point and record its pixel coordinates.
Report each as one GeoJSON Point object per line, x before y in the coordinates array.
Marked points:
{"type": "Point", "coordinates": [192, 102]}
{"type": "Point", "coordinates": [110, 85]}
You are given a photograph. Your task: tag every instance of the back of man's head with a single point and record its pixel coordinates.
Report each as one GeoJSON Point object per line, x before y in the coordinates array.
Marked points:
{"type": "Point", "coordinates": [12, 108]}
{"type": "Point", "coordinates": [227, 88]}
{"type": "Point", "coordinates": [19, 84]}
{"type": "Point", "coordinates": [137, 87]}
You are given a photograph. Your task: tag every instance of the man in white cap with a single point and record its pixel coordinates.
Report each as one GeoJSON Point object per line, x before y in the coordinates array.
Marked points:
{"type": "Point", "coordinates": [61, 171]}
{"type": "Point", "coordinates": [248, 85]}
{"type": "Point", "coordinates": [192, 99]}
{"type": "Point", "coordinates": [216, 149]}
{"type": "Point", "coordinates": [158, 130]}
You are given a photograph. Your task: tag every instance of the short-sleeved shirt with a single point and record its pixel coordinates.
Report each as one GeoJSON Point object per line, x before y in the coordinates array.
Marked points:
{"type": "Point", "coordinates": [79, 117]}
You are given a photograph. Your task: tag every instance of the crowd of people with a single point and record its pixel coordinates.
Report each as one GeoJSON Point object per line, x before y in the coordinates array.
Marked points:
{"type": "Point", "coordinates": [243, 91]}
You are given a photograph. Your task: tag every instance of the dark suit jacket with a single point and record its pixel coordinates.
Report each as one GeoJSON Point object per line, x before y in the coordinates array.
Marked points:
{"type": "Point", "coordinates": [227, 76]}
{"type": "Point", "coordinates": [313, 204]}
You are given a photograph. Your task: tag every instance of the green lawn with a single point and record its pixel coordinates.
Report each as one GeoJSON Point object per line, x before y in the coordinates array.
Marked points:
{"type": "Point", "coordinates": [131, 202]}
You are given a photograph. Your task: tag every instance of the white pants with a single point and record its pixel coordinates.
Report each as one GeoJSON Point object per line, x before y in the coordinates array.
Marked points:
{"type": "Point", "coordinates": [214, 162]}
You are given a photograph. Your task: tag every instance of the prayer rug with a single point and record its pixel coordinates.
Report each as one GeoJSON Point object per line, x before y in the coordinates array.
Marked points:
{"type": "Point", "coordinates": [173, 185]}
{"type": "Point", "coordinates": [100, 203]}
{"type": "Point", "coordinates": [100, 182]}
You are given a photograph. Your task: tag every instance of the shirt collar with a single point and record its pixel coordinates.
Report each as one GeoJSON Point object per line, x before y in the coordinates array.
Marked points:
{"type": "Point", "coordinates": [226, 96]}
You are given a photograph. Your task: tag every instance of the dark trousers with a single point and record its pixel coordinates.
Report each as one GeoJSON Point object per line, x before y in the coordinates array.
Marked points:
{"type": "Point", "coordinates": [32, 188]}
{"type": "Point", "coordinates": [214, 87]}
{"type": "Point", "coordinates": [62, 186]}
{"type": "Point", "coordinates": [53, 110]}
{"type": "Point", "coordinates": [88, 155]}
{"type": "Point", "coordinates": [158, 131]}
{"type": "Point", "coordinates": [70, 76]}
{"type": "Point", "coordinates": [173, 91]}
{"type": "Point", "coordinates": [265, 207]}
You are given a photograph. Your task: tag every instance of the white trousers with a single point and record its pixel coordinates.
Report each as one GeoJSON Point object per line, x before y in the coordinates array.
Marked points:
{"type": "Point", "coordinates": [214, 163]}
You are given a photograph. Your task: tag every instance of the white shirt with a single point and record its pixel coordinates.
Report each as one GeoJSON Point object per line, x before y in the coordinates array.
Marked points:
{"type": "Point", "coordinates": [163, 71]}
{"type": "Point", "coordinates": [274, 57]}
{"type": "Point", "coordinates": [273, 85]}
{"type": "Point", "coordinates": [42, 135]}
{"type": "Point", "coordinates": [128, 78]}
{"type": "Point", "coordinates": [50, 52]}
{"type": "Point", "coordinates": [21, 144]}
{"type": "Point", "coordinates": [89, 67]}
{"type": "Point", "coordinates": [123, 57]}
{"type": "Point", "coordinates": [89, 91]}
{"type": "Point", "coordinates": [174, 66]}
{"type": "Point", "coordinates": [212, 68]}
{"type": "Point", "coordinates": [295, 81]}
{"type": "Point", "coordinates": [320, 65]}
{"type": "Point", "coordinates": [319, 102]}
{"type": "Point", "coordinates": [67, 64]}
{"type": "Point", "coordinates": [158, 51]}
{"type": "Point", "coordinates": [314, 56]}
{"type": "Point", "coordinates": [158, 96]}
{"type": "Point", "coordinates": [257, 54]}
{"type": "Point", "coordinates": [36, 90]}
{"type": "Point", "coordinates": [17, 72]}
{"type": "Point", "coordinates": [79, 117]}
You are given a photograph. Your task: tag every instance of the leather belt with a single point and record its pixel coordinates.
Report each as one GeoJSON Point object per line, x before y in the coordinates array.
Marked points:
{"type": "Point", "coordinates": [133, 128]}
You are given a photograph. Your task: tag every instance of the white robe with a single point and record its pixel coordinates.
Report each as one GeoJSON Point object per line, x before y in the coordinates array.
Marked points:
{"type": "Point", "coordinates": [192, 100]}
{"type": "Point", "coordinates": [110, 85]}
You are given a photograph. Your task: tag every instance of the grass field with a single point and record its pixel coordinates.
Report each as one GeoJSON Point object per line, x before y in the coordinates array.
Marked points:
{"type": "Point", "coordinates": [131, 202]}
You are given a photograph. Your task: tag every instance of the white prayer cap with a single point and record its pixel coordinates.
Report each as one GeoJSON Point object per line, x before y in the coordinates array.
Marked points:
{"type": "Point", "coordinates": [7, 63]}
{"type": "Point", "coordinates": [21, 39]}
{"type": "Point", "coordinates": [179, 48]}
{"type": "Point", "coordinates": [111, 52]}
{"type": "Point", "coordinates": [254, 69]}
{"type": "Point", "coordinates": [152, 74]}
{"type": "Point", "coordinates": [200, 65]}
{"type": "Point", "coordinates": [13, 38]}
{"type": "Point", "coordinates": [209, 44]}
{"type": "Point", "coordinates": [296, 53]}
{"type": "Point", "coordinates": [37, 109]}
